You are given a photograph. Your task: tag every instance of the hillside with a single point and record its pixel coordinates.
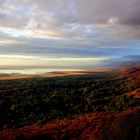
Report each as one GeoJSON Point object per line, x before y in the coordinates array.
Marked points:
{"type": "Point", "coordinates": [100, 126]}
{"type": "Point", "coordinates": [93, 106]}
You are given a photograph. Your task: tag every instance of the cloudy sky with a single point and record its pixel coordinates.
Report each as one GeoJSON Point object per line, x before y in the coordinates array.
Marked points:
{"type": "Point", "coordinates": [68, 34]}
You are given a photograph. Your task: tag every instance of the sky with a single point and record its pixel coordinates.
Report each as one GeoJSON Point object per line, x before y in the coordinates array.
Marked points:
{"type": "Point", "coordinates": [49, 35]}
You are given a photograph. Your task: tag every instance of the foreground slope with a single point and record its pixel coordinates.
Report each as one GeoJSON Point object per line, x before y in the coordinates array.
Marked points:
{"type": "Point", "coordinates": [100, 126]}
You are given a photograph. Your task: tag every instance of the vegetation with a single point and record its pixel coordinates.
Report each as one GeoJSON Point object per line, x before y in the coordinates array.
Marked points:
{"type": "Point", "coordinates": [40, 100]}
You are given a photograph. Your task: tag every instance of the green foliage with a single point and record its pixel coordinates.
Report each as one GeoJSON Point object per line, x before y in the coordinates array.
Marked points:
{"type": "Point", "coordinates": [13, 107]}
{"type": "Point", "coordinates": [119, 103]}
{"type": "Point", "coordinates": [41, 100]}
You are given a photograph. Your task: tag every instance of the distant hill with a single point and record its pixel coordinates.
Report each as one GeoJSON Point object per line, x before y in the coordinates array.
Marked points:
{"type": "Point", "coordinates": [129, 64]}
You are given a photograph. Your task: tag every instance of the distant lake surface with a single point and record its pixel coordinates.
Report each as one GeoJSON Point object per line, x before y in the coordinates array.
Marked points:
{"type": "Point", "coordinates": [35, 71]}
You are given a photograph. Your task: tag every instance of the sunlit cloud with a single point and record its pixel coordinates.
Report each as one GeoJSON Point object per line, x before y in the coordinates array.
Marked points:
{"type": "Point", "coordinates": [9, 42]}
{"type": "Point", "coordinates": [17, 56]}
{"type": "Point", "coordinates": [23, 60]}
{"type": "Point", "coordinates": [28, 33]}
{"type": "Point", "coordinates": [112, 20]}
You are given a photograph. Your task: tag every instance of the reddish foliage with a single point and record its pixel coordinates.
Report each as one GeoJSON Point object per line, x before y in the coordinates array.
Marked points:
{"type": "Point", "coordinates": [98, 126]}
{"type": "Point", "coordinates": [134, 94]}
{"type": "Point", "coordinates": [133, 74]}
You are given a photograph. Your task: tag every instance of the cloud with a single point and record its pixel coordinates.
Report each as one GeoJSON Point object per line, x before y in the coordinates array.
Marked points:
{"type": "Point", "coordinates": [112, 20]}
{"type": "Point", "coordinates": [70, 29]}
{"type": "Point", "coordinates": [53, 17]}
{"type": "Point", "coordinates": [101, 11]}
{"type": "Point", "coordinates": [23, 60]}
